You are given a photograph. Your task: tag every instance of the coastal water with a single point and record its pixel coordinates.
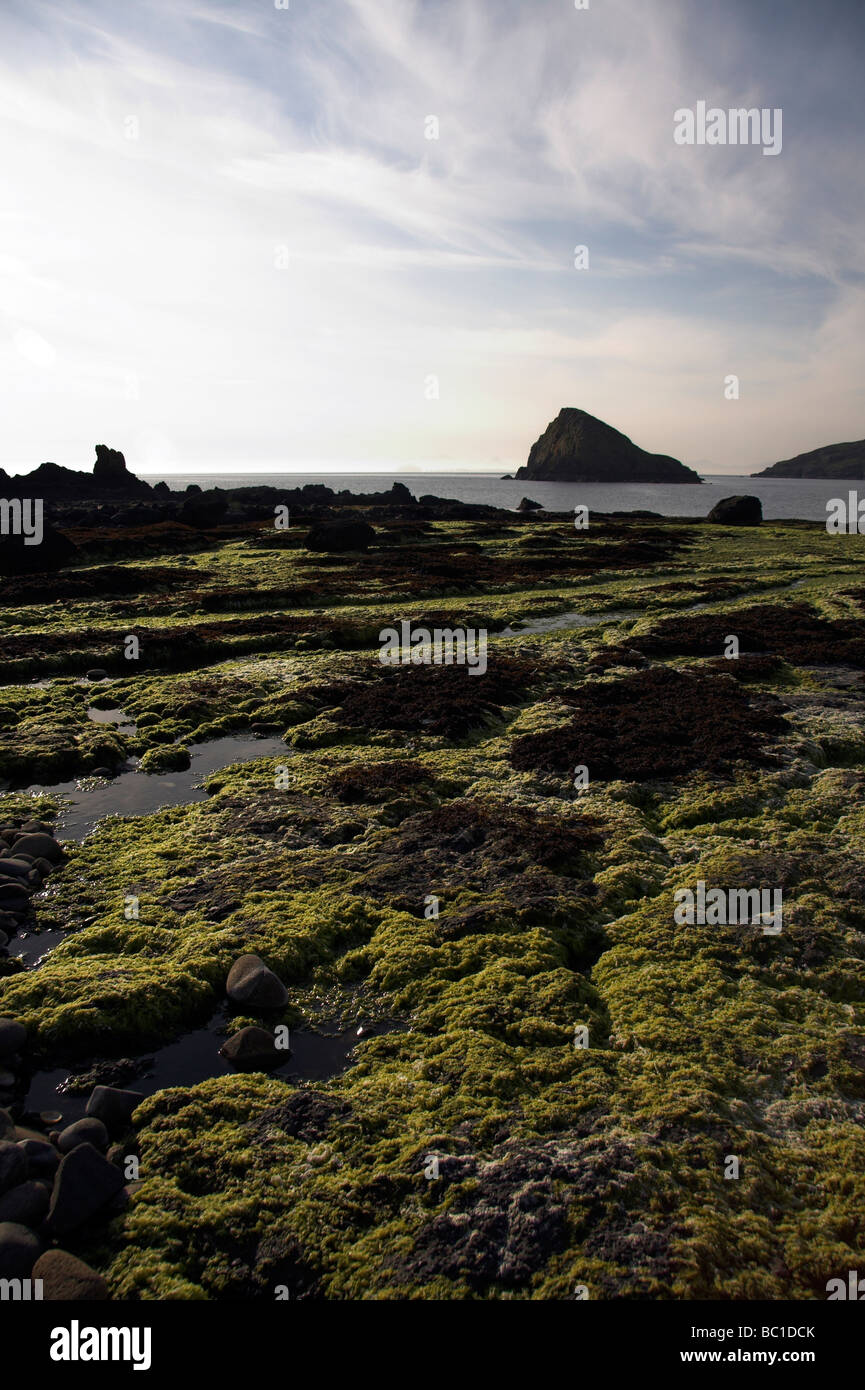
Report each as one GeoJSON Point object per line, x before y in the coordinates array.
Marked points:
{"type": "Point", "coordinates": [801, 499]}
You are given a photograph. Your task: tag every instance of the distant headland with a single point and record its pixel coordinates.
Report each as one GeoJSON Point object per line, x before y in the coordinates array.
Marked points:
{"type": "Point", "coordinates": [832, 461]}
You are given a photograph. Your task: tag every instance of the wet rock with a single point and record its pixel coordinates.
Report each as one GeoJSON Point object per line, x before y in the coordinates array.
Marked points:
{"type": "Point", "coordinates": [42, 1157]}
{"type": "Point", "coordinates": [19, 1250]}
{"type": "Point", "coordinates": [13, 1036]}
{"type": "Point", "coordinates": [262, 730]}
{"type": "Point", "coordinates": [737, 511]}
{"type": "Point", "coordinates": [13, 1165]}
{"type": "Point", "coordinates": [253, 1047]}
{"type": "Point", "coordinates": [340, 536]}
{"type": "Point", "coordinates": [96, 673]}
{"type": "Point", "coordinates": [18, 868]}
{"type": "Point", "coordinates": [527, 505]}
{"type": "Point", "coordinates": [113, 1106]}
{"type": "Point", "coordinates": [40, 846]}
{"type": "Point", "coordinates": [26, 1204]}
{"type": "Point", "coordinates": [306, 1115]}
{"type": "Point", "coordinates": [86, 1182]}
{"type": "Point", "coordinates": [37, 827]}
{"type": "Point", "coordinates": [86, 1131]}
{"type": "Point", "coordinates": [67, 1279]}
{"type": "Point", "coordinates": [251, 983]}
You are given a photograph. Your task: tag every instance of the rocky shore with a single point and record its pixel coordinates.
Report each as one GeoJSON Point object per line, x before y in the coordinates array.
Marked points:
{"type": "Point", "coordinates": [564, 1069]}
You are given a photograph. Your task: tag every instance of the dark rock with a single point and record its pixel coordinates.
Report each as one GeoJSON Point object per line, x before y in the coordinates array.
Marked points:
{"type": "Point", "coordinates": [13, 1036]}
{"type": "Point", "coordinates": [54, 552]}
{"type": "Point", "coordinates": [42, 1157]}
{"type": "Point", "coordinates": [737, 511]}
{"type": "Point", "coordinates": [13, 1165]}
{"type": "Point", "coordinates": [19, 1250]}
{"type": "Point", "coordinates": [205, 511]}
{"type": "Point", "coordinates": [306, 1115]}
{"type": "Point", "coordinates": [340, 536]}
{"type": "Point", "coordinates": [96, 673]}
{"type": "Point", "coordinates": [7, 1126]}
{"type": "Point", "coordinates": [17, 868]}
{"type": "Point", "coordinates": [40, 846]}
{"type": "Point", "coordinates": [26, 1204]}
{"type": "Point", "coordinates": [113, 1106]}
{"type": "Point", "coordinates": [577, 447]}
{"type": "Point", "coordinates": [86, 1182]}
{"type": "Point", "coordinates": [253, 1047]}
{"type": "Point", "coordinates": [66, 1279]}
{"type": "Point", "coordinates": [527, 505]}
{"type": "Point", "coordinates": [830, 461]}
{"type": "Point", "coordinates": [36, 827]}
{"type": "Point", "coordinates": [251, 983]}
{"type": "Point", "coordinates": [86, 1131]}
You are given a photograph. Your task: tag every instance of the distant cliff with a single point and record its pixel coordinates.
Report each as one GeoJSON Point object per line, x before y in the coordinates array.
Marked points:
{"type": "Point", "coordinates": [578, 448]}
{"type": "Point", "coordinates": [832, 461]}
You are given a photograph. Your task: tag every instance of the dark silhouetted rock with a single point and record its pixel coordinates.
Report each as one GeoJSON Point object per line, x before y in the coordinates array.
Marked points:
{"type": "Point", "coordinates": [340, 536]}
{"type": "Point", "coordinates": [68, 1279]}
{"type": "Point", "coordinates": [527, 505]}
{"type": "Point", "coordinates": [54, 552]}
{"type": "Point", "coordinates": [736, 511]}
{"type": "Point", "coordinates": [42, 1157]}
{"type": "Point", "coordinates": [576, 447]}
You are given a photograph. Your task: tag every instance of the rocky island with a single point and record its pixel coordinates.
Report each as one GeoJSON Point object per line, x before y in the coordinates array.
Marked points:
{"type": "Point", "coordinates": [578, 448]}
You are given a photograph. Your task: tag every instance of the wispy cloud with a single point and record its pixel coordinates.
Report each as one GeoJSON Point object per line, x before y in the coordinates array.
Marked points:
{"type": "Point", "coordinates": [230, 234]}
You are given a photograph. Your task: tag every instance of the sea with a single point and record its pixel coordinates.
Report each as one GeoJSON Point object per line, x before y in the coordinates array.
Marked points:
{"type": "Point", "coordinates": [803, 499]}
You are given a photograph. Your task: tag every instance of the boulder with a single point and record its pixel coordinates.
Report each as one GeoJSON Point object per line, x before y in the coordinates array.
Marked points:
{"type": "Point", "coordinates": [40, 846]}
{"type": "Point", "coordinates": [86, 1131]}
{"type": "Point", "coordinates": [19, 1250]}
{"type": "Point", "coordinates": [734, 511]}
{"type": "Point", "coordinates": [253, 1047]}
{"type": "Point", "coordinates": [86, 1182]}
{"type": "Point", "coordinates": [13, 1036]}
{"type": "Point", "coordinates": [113, 1106]}
{"type": "Point", "coordinates": [7, 1126]}
{"type": "Point", "coordinates": [13, 1165]}
{"type": "Point", "coordinates": [527, 505]}
{"type": "Point", "coordinates": [26, 1204]}
{"type": "Point", "coordinates": [55, 551]}
{"type": "Point", "coordinates": [253, 985]}
{"type": "Point", "coordinates": [340, 535]}
{"type": "Point", "coordinates": [66, 1279]}
{"type": "Point", "coordinates": [42, 1157]}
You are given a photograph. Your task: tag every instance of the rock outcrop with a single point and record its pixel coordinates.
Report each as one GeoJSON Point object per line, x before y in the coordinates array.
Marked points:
{"type": "Point", "coordinates": [576, 447]}
{"type": "Point", "coordinates": [832, 461]}
{"type": "Point", "coordinates": [737, 511]}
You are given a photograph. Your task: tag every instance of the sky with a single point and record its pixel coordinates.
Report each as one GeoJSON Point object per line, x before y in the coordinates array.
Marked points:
{"type": "Point", "coordinates": [344, 232]}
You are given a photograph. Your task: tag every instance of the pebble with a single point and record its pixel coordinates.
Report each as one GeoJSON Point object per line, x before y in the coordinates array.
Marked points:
{"type": "Point", "coordinates": [68, 1279]}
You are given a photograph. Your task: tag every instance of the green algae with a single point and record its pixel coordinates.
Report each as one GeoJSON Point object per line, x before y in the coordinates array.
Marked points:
{"type": "Point", "coordinates": [703, 1042]}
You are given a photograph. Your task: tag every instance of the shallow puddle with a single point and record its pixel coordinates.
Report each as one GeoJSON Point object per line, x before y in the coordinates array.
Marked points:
{"type": "Point", "coordinates": [563, 621]}
{"type": "Point", "coordinates": [88, 800]}
{"type": "Point", "coordinates": [195, 1057]}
